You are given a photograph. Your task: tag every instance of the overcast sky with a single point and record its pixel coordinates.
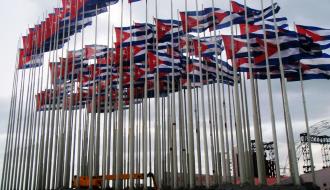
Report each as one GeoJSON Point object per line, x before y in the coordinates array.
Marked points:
{"type": "Point", "coordinates": [17, 15]}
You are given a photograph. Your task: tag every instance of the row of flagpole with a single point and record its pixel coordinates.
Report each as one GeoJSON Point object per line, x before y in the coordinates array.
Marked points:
{"type": "Point", "coordinates": [32, 164]}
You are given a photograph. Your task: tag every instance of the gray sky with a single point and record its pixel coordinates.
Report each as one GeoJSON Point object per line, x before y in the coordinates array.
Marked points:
{"type": "Point", "coordinates": [17, 15]}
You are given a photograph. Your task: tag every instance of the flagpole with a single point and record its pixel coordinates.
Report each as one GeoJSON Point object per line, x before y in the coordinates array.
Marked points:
{"type": "Point", "coordinates": [25, 127]}
{"type": "Point", "coordinates": [131, 109]}
{"type": "Point", "coordinates": [258, 142]}
{"type": "Point", "coordinates": [172, 106]}
{"type": "Point", "coordinates": [270, 96]}
{"type": "Point", "coordinates": [238, 111]}
{"type": "Point", "coordinates": [106, 133]}
{"type": "Point", "coordinates": [60, 115]}
{"type": "Point", "coordinates": [227, 163]}
{"type": "Point", "coordinates": [18, 132]}
{"type": "Point", "coordinates": [191, 149]}
{"type": "Point", "coordinates": [24, 158]}
{"type": "Point", "coordinates": [74, 98]}
{"type": "Point", "coordinates": [292, 150]}
{"type": "Point", "coordinates": [44, 147]}
{"type": "Point", "coordinates": [249, 153]}
{"type": "Point", "coordinates": [91, 143]}
{"type": "Point", "coordinates": [307, 124]}
{"type": "Point", "coordinates": [18, 158]}
{"type": "Point", "coordinates": [111, 112]}
{"type": "Point", "coordinates": [217, 137]}
{"type": "Point", "coordinates": [67, 165]}
{"type": "Point", "coordinates": [39, 153]}
{"type": "Point", "coordinates": [120, 132]}
{"type": "Point", "coordinates": [64, 165]}
{"type": "Point", "coordinates": [222, 148]}
{"type": "Point", "coordinates": [10, 129]}
{"type": "Point", "coordinates": [54, 113]}
{"type": "Point", "coordinates": [80, 123]}
{"type": "Point", "coordinates": [206, 154]}
{"type": "Point", "coordinates": [145, 109]}
{"type": "Point", "coordinates": [230, 102]}
{"type": "Point", "coordinates": [244, 127]}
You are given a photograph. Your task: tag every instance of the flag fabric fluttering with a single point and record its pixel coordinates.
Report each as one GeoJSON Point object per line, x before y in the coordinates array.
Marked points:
{"type": "Point", "coordinates": [317, 34]}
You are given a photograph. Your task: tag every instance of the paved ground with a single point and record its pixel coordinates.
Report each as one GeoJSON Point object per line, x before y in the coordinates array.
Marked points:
{"type": "Point", "coordinates": [237, 187]}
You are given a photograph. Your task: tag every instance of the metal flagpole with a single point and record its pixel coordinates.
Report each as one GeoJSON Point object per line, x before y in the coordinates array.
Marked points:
{"type": "Point", "coordinates": [191, 150]}
{"type": "Point", "coordinates": [258, 142]}
{"type": "Point", "coordinates": [55, 113]}
{"type": "Point", "coordinates": [13, 178]}
{"type": "Point", "coordinates": [222, 147]}
{"type": "Point", "coordinates": [39, 153]}
{"type": "Point", "coordinates": [244, 127]}
{"type": "Point", "coordinates": [270, 96]}
{"type": "Point", "coordinates": [216, 137]}
{"type": "Point", "coordinates": [31, 127]}
{"type": "Point", "coordinates": [69, 152]}
{"type": "Point", "coordinates": [171, 107]}
{"type": "Point", "coordinates": [41, 174]}
{"type": "Point", "coordinates": [307, 121]}
{"type": "Point", "coordinates": [10, 129]}
{"type": "Point", "coordinates": [110, 107]}
{"type": "Point", "coordinates": [106, 133]}
{"type": "Point", "coordinates": [206, 154]}
{"type": "Point", "coordinates": [114, 144]}
{"type": "Point", "coordinates": [12, 184]}
{"type": "Point", "coordinates": [120, 132]}
{"type": "Point", "coordinates": [131, 108]}
{"type": "Point", "coordinates": [24, 158]}
{"type": "Point", "coordinates": [145, 109]}
{"type": "Point", "coordinates": [181, 137]}
{"type": "Point", "coordinates": [62, 167]}
{"type": "Point", "coordinates": [230, 102]}
{"type": "Point", "coordinates": [8, 166]}
{"type": "Point", "coordinates": [249, 151]}
{"type": "Point", "coordinates": [238, 112]}
{"type": "Point", "coordinates": [157, 146]}
{"type": "Point", "coordinates": [211, 126]}
{"type": "Point", "coordinates": [227, 163]}
{"type": "Point", "coordinates": [60, 115]}
{"type": "Point", "coordinates": [307, 124]}
{"type": "Point", "coordinates": [91, 156]}
{"type": "Point", "coordinates": [80, 123]}
{"type": "Point", "coordinates": [292, 150]}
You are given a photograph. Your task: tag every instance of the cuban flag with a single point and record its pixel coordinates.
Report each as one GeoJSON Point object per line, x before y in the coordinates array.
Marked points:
{"type": "Point", "coordinates": [167, 28]}
{"type": "Point", "coordinates": [257, 27]}
{"type": "Point", "coordinates": [322, 62]}
{"type": "Point", "coordinates": [29, 61]}
{"type": "Point", "coordinates": [289, 48]}
{"type": "Point", "coordinates": [208, 47]}
{"type": "Point", "coordinates": [318, 35]}
{"type": "Point", "coordinates": [185, 43]}
{"type": "Point", "coordinates": [255, 15]}
{"type": "Point", "coordinates": [162, 62]}
{"type": "Point", "coordinates": [74, 69]}
{"type": "Point", "coordinates": [138, 53]}
{"type": "Point", "coordinates": [239, 47]}
{"type": "Point", "coordinates": [310, 73]}
{"type": "Point", "coordinates": [92, 51]}
{"type": "Point", "coordinates": [104, 69]}
{"type": "Point", "coordinates": [135, 34]}
{"type": "Point", "coordinates": [196, 21]}
{"type": "Point", "coordinates": [224, 19]}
